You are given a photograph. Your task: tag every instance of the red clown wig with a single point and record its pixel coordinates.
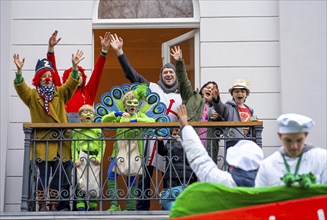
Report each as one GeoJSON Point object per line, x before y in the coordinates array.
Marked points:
{"type": "Point", "coordinates": [68, 71]}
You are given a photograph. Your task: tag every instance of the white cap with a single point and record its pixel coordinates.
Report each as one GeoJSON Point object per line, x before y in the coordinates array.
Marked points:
{"type": "Point", "coordinates": [294, 123]}
{"type": "Point", "coordinates": [245, 155]}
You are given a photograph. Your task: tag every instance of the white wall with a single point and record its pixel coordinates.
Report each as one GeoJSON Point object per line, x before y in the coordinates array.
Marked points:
{"type": "Point", "coordinates": [303, 63]}
{"type": "Point", "coordinates": [5, 81]}
{"type": "Point", "coordinates": [32, 23]}
{"type": "Point", "coordinates": [240, 39]}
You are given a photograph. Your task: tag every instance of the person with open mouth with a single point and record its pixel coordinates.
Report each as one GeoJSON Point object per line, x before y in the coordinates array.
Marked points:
{"type": "Point", "coordinates": [46, 103]}
{"type": "Point", "coordinates": [87, 150]}
{"type": "Point", "coordinates": [199, 105]}
{"type": "Point", "coordinates": [237, 110]}
{"type": "Point", "coordinates": [128, 149]}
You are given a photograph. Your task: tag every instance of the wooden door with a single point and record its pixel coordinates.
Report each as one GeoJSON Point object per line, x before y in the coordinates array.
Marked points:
{"type": "Point", "coordinates": [143, 49]}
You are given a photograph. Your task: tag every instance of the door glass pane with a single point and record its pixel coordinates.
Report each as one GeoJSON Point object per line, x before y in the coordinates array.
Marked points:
{"type": "Point", "coordinates": [186, 42]}
{"type": "Point", "coordinates": [120, 9]}
{"type": "Point", "coordinates": [188, 56]}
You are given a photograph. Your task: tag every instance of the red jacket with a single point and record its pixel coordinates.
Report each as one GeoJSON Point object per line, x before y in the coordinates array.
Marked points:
{"type": "Point", "coordinates": [86, 93]}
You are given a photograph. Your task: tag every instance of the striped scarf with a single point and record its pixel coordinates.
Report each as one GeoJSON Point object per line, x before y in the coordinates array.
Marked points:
{"type": "Point", "coordinates": [46, 92]}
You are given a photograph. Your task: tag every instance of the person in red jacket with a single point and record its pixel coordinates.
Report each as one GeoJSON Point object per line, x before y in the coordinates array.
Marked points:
{"type": "Point", "coordinates": [86, 92]}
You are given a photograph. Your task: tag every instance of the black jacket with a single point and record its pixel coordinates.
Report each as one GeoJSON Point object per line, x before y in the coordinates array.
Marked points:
{"type": "Point", "coordinates": [176, 164]}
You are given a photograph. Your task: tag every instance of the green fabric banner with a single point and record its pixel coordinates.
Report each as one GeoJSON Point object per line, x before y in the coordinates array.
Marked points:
{"type": "Point", "coordinates": [203, 197]}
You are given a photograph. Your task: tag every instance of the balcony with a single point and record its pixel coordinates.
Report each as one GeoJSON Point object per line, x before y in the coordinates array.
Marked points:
{"type": "Point", "coordinates": [127, 188]}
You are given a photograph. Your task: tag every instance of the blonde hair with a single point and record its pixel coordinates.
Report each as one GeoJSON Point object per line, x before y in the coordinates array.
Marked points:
{"type": "Point", "coordinates": [129, 96]}
{"type": "Point", "coordinates": [85, 107]}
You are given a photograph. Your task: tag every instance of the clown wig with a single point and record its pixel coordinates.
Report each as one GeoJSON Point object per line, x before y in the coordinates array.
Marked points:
{"type": "Point", "coordinates": [68, 71]}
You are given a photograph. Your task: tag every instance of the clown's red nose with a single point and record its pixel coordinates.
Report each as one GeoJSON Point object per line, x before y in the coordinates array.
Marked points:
{"type": "Point", "coordinates": [47, 79]}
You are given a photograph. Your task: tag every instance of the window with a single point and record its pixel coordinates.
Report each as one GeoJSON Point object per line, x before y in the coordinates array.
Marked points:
{"type": "Point", "coordinates": [120, 9]}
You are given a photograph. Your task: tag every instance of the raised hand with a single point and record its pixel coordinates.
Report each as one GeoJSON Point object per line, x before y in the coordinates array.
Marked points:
{"type": "Point", "coordinates": [53, 41]}
{"type": "Point", "coordinates": [126, 115]}
{"type": "Point", "coordinates": [78, 163]}
{"type": "Point", "coordinates": [215, 92]}
{"type": "Point", "coordinates": [214, 116]}
{"type": "Point", "coordinates": [19, 63]}
{"type": "Point", "coordinates": [116, 43]}
{"type": "Point", "coordinates": [105, 42]}
{"type": "Point", "coordinates": [176, 53]}
{"type": "Point", "coordinates": [96, 162]}
{"type": "Point", "coordinates": [77, 58]}
{"type": "Point", "coordinates": [182, 115]}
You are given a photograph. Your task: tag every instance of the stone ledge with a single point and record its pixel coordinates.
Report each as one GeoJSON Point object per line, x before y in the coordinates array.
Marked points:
{"type": "Point", "coordinates": [86, 215]}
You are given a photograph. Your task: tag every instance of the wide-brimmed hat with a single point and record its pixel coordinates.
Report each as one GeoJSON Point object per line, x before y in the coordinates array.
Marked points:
{"type": "Point", "coordinates": [240, 84]}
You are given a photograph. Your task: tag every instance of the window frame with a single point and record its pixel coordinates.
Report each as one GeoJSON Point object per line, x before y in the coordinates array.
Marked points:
{"type": "Point", "coordinates": [193, 22]}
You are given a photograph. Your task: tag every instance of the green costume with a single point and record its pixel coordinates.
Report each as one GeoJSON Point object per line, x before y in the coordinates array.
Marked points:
{"type": "Point", "coordinates": [95, 149]}
{"type": "Point", "coordinates": [126, 132]}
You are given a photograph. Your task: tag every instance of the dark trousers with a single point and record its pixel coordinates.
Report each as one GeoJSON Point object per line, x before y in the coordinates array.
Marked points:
{"type": "Point", "coordinates": [144, 186]}
{"type": "Point", "coordinates": [231, 143]}
{"type": "Point", "coordinates": [44, 168]}
{"type": "Point", "coordinates": [65, 186]}
{"type": "Point", "coordinates": [45, 187]}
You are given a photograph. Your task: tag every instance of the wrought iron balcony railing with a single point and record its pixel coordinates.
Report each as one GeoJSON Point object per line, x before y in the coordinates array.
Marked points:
{"type": "Point", "coordinates": [54, 170]}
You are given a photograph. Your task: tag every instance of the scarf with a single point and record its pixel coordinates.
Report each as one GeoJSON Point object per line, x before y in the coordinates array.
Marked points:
{"type": "Point", "coordinates": [306, 179]}
{"type": "Point", "coordinates": [168, 89]}
{"type": "Point", "coordinates": [46, 92]}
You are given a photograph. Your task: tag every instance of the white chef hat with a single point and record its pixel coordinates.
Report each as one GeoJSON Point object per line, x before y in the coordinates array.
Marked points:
{"type": "Point", "coordinates": [294, 123]}
{"type": "Point", "coordinates": [245, 155]}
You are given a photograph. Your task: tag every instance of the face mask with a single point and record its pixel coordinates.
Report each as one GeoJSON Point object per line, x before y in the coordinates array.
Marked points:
{"type": "Point", "coordinates": [132, 103]}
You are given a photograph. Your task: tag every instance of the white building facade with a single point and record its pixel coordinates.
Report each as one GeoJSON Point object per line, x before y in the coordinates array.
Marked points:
{"type": "Point", "coordinates": [278, 46]}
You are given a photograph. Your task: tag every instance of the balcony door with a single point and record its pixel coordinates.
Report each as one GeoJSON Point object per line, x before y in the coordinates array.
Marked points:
{"type": "Point", "coordinates": [147, 50]}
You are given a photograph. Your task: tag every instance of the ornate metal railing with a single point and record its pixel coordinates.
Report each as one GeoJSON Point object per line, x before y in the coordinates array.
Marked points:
{"type": "Point", "coordinates": [54, 180]}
